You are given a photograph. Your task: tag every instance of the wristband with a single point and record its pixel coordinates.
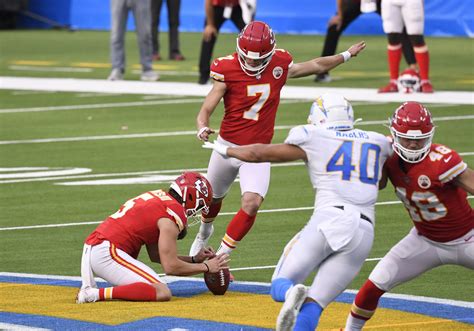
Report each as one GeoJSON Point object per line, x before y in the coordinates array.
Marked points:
{"type": "Point", "coordinates": [200, 132]}
{"type": "Point", "coordinates": [346, 55]}
{"type": "Point", "coordinates": [192, 259]}
{"type": "Point", "coordinates": [206, 267]}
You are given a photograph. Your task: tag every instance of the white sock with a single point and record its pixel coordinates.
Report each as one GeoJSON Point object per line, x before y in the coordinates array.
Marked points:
{"type": "Point", "coordinates": [354, 324]}
{"type": "Point", "coordinates": [224, 249]}
{"type": "Point", "coordinates": [205, 229]}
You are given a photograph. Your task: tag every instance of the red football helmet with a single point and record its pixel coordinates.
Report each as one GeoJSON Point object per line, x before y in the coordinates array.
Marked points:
{"type": "Point", "coordinates": [408, 81]}
{"type": "Point", "coordinates": [195, 192]}
{"type": "Point", "coordinates": [255, 46]}
{"type": "Point", "coordinates": [412, 130]}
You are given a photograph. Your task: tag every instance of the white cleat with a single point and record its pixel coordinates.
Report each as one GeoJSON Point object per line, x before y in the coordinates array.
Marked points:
{"type": "Point", "coordinates": [288, 313]}
{"type": "Point", "coordinates": [200, 242]}
{"type": "Point", "coordinates": [87, 294]}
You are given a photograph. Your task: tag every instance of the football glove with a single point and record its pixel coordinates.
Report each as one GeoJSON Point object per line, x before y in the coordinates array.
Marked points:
{"type": "Point", "coordinates": [217, 146]}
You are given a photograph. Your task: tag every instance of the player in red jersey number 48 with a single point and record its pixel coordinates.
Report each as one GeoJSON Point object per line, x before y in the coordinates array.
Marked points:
{"type": "Point", "coordinates": [155, 219]}
{"type": "Point", "coordinates": [249, 81]}
{"type": "Point", "coordinates": [431, 180]}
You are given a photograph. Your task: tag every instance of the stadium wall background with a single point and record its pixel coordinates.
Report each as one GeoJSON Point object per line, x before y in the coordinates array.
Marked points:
{"type": "Point", "coordinates": [443, 18]}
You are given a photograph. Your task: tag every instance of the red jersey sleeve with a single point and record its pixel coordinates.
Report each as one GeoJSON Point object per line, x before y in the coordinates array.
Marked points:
{"type": "Point", "coordinates": [450, 166]}
{"type": "Point", "coordinates": [222, 65]}
{"type": "Point", "coordinates": [176, 214]}
{"type": "Point", "coordinates": [286, 57]}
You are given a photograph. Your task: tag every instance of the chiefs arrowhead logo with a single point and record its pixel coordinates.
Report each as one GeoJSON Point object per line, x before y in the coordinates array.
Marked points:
{"type": "Point", "coordinates": [277, 72]}
{"type": "Point", "coordinates": [424, 182]}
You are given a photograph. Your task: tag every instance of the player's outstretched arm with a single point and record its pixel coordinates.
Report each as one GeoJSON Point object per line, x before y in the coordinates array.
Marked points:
{"type": "Point", "coordinates": [466, 180]}
{"type": "Point", "coordinates": [260, 152]}
{"type": "Point", "coordinates": [207, 108]}
{"type": "Point", "coordinates": [325, 63]}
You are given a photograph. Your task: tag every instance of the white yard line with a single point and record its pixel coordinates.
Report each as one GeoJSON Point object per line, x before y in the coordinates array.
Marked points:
{"type": "Point", "coordinates": [93, 138]}
{"type": "Point", "coordinates": [100, 105]}
{"type": "Point", "coordinates": [49, 69]}
{"type": "Point", "coordinates": [185, 133]}
{"type": "Point", "coordinates": [279, 210]}
{"type": "Point", "coordinates": [193, 89]}
{"type": "Point", "coordinates": [19, 327]}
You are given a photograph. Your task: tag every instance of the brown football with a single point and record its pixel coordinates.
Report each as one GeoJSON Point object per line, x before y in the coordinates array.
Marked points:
{"type": "Point", "coordinates": [217, 282]}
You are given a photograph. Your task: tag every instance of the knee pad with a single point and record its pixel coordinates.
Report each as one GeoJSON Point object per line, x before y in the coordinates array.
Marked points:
{"type": "Point", "coordinates": [394, 38]}
{"type": "Point", "coordinates": [279, 288]}
{"type": "Point", "coordinates": [417, 40]}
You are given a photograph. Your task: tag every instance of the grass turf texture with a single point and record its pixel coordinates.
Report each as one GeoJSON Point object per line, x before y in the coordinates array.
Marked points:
{"type": "Point", "coordinates": [57, 251]}
{"type": "Point", "coordinates": [450, 69]}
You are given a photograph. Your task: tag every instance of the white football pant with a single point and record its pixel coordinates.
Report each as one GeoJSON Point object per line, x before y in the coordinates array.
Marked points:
{"type": "Point", "coordinates": [311, 250]}
{"type": "Point", "coordinates": [222, 171]}
{"type": "Point", "coordinates": [397, 14]}
{"type": "Point", "coordinates": [115, 266]}
{"type": "Point", "coordinates": [415, 254]}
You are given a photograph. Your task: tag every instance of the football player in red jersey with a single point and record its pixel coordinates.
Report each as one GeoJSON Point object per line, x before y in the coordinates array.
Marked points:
{"type": "Point", "coordinates": [431, 180]}
{"type": "Point", "coordinates": [155, 219]}
{"type": "Point", "coordinates": [249, 81]}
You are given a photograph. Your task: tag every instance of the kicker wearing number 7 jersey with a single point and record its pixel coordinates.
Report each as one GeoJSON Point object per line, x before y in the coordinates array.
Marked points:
{"type": "Point", "coordinates": [249, 81]}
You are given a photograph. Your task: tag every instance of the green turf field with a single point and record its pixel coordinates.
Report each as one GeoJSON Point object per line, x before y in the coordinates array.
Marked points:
{"type": "Point", "coordinates": [452, 64]}
{"type": "Point", "coordinates": [57, 250]}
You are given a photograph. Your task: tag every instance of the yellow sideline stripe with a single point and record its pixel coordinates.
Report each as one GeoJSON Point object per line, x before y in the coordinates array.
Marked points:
{"type": "Point", "coordinates": [90, 65]}
{"type": "Point", "coordinates": [239, 308]}
{"type": "Point", "coordinates": [37, 63]}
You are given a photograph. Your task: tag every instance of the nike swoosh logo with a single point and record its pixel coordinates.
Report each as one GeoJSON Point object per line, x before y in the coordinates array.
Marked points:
{"type": "Point", "coordinates": [467, 239]}
{"type": "Point", "coordinates": [447, 160]}
{"type": "Point", "coordinates": [215, 63]}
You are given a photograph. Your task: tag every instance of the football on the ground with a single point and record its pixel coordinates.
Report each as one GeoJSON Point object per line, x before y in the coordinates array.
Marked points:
{"type": "Point", "coordinates": [217, 282]}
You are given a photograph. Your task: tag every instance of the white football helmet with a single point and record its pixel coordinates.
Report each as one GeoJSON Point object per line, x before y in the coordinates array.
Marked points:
{"type": "Point", "coordinates": [332, 111]}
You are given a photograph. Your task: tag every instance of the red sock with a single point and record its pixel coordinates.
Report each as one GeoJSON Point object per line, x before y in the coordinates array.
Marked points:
{"type": "Point", "coordinates": [238, 227]}
{"type": "Point", "coordinates": [214, 209]}
{"type": "Point", "coordinates": [394, 53]}
{"type": "Point", "coordinates": [366, 301]}
{"type": "Point", "coordinates": [423, 58]}
{"type": "Point", "coordinates": [132, 292]}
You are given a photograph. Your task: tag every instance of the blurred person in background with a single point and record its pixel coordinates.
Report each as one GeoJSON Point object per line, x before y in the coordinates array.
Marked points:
{"type": "Point", "coordinates": [217, 12]}
{"type": "Point", "coordinates": [142, 16]}
{"type": "Point", "coordinates": [397, 15]}
{"type": "Point", "coordinates": [347, 12]}
{"type": "Point", "coordinates": [173, 33]}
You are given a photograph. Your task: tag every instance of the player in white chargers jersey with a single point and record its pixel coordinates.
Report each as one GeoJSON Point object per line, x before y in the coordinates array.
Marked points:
{"type": "Point", "coordinates": [345, 166]}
